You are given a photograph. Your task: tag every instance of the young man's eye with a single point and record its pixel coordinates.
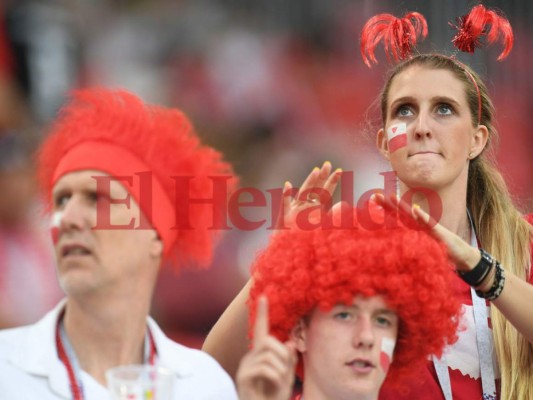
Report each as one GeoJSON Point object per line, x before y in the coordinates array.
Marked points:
{"type": "Point", "coordinates": [343, 315]}
{"type": "Point", "coordinates": [383, 321]}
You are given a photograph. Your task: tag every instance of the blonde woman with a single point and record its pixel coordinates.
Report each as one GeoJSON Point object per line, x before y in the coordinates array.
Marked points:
{"type": "Point", "coordinates": [445, 117]}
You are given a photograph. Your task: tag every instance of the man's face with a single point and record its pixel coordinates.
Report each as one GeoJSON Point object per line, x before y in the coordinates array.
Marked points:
{"type": "Point", "coordinates": [98, 260]}
{"type": "Point", "coordinates": [347, 351]}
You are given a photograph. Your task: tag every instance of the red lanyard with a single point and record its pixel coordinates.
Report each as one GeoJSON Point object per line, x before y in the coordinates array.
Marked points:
{"type": "Point", "coordinates": [75, 387]}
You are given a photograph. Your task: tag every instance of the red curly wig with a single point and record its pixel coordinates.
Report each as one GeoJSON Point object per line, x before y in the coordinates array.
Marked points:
{"type": "Point", "coordinates": [300, 271]}
{"type": "Point", "coordinates": [113, 131]}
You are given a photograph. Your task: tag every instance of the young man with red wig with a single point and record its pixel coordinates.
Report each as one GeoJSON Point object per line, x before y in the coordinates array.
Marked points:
{"type": "Point", "coordinates": [356, 306]}
{"type": "Point", "coordinates": [108, 172]}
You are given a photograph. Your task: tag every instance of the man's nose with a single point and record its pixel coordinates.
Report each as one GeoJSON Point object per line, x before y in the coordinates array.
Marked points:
{"type": "Point", "coordinates": [73, 214]}
{"type": "Point", "coordinates": [363, 333]}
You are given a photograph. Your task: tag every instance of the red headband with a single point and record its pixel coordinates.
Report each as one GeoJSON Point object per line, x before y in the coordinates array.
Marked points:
{"type": "Point", "coordinates": [116, 132]}
{"type": "Point", "coordinates": [117, 161]}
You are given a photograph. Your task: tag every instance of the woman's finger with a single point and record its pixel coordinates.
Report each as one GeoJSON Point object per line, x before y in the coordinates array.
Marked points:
{"type": "Point", "coordinates": [309, 183]}
{"type": "Point", "coordinates": [331, 183]}
{"type": "Point", "coordinates": [323, 175]}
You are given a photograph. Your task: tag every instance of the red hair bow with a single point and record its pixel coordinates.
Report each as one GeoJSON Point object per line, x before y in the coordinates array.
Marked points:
{"type": "Point", "coordinates": [399, 35]}
{"type": "Point", "coordinates": [472, 26]}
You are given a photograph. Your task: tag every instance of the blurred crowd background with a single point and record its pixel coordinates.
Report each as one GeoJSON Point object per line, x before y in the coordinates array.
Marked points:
{"type": "Point", "coordinates": [278, 86]}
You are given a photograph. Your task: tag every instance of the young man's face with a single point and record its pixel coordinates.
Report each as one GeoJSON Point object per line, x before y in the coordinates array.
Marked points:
{"type": "Point", "coordinates": [95, 260]}
{"type": "Point", "coordinates": [347, 350]}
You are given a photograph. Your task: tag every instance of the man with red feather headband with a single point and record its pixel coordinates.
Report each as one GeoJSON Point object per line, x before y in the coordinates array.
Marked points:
{"type": "Point", "coordinates": [108, 170]}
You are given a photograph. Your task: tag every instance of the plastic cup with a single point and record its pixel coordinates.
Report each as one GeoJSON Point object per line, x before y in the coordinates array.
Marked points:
{"type": "Point", "coordinates": [140, 382]}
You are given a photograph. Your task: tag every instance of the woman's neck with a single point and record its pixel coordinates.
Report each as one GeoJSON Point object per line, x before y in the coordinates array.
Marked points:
{"type": "Point", "coordinates": [451, 205]}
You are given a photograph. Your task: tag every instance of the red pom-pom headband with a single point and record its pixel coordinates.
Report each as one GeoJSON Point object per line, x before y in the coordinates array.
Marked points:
{"type": "Point", "coordinates": [474, 25]}
{"type": "Point", "coordinates": [400, 35]}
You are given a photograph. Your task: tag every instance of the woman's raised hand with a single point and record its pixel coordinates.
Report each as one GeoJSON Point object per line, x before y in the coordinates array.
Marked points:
{"type": "Point", "coordinates": [461, 253]}
{"type": "Point", "coordinates": [312, 199]}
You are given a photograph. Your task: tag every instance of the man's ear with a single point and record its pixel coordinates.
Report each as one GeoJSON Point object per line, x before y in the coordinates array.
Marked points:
{"type": "Point", "coordinates": [479, 141]}
{"type": "Point", "coordinates": [382, 143]}
{"type": "Point", "coordinates": [156, 248]}
{"type": "Point", "coordinates": [298, 335]}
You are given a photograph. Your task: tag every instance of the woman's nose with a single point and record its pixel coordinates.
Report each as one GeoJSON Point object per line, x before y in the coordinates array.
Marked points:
{"type": "Point", "coordinates": [422, 126]}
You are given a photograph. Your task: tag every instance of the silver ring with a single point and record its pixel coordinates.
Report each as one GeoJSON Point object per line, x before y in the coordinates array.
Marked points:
{"type": "Point", "coordinates": [312, 198]}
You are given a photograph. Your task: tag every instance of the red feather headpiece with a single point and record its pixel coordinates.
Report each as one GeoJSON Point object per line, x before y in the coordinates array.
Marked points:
{"type": "Point", "coordinates": [115, 132]}
{"type": "Point", "coordinates": [399, 35]}
{"type": "Point", "coordinates": [474, 25]}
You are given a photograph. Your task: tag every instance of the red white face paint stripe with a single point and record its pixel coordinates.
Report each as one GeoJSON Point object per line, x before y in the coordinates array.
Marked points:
{"type": "Point", "coordinates": [387, 349]}
{"type": "Point", "coordinates": [54, 225]}
{"type": "Point", "coordinates": [397, 136]}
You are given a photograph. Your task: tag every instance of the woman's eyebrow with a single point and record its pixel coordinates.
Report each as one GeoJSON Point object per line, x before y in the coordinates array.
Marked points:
{"type": "Point", "coordinates": [403, 99]}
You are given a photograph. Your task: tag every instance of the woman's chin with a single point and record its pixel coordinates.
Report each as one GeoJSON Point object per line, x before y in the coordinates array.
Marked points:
{"type": "Point", "coordinates": [425, 178]}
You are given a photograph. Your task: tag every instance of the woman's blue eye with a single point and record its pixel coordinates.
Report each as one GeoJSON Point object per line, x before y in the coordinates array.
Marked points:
{"type": "Point", "coordinates": [445, 109]}
{"type": "Point", "coordinates": [404, 111]}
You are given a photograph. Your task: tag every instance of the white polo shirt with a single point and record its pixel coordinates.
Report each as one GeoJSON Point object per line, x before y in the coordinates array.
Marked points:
{"type": "Point", "coordinates": [31, 370]}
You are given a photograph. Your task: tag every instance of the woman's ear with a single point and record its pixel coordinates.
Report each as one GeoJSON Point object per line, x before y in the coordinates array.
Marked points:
{"type": "Point", "coordinates": [479, 141]}
{"type": "Point", "coordinates": [298, 335]}
{"type": "Point", "coordinates": [382, 144]}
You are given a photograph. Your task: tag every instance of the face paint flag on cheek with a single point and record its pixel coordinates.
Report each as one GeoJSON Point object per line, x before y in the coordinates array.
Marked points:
{"type": "Point", "coordinates": [397, 136]}
{"type": "Point", "coordinates": [54, 226]}
{"type": "Point", "coordinates": [387, 349]}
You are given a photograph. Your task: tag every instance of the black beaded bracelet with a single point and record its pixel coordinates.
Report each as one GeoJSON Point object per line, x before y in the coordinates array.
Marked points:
{"type": "Point", "coordinates": [497, 287]}
{"type": "Point", "coordinates": [475, 276]}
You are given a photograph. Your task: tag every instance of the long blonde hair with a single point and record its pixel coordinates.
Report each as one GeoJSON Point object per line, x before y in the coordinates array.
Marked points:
{"type": "Point", "coordinates": [499, 226]}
